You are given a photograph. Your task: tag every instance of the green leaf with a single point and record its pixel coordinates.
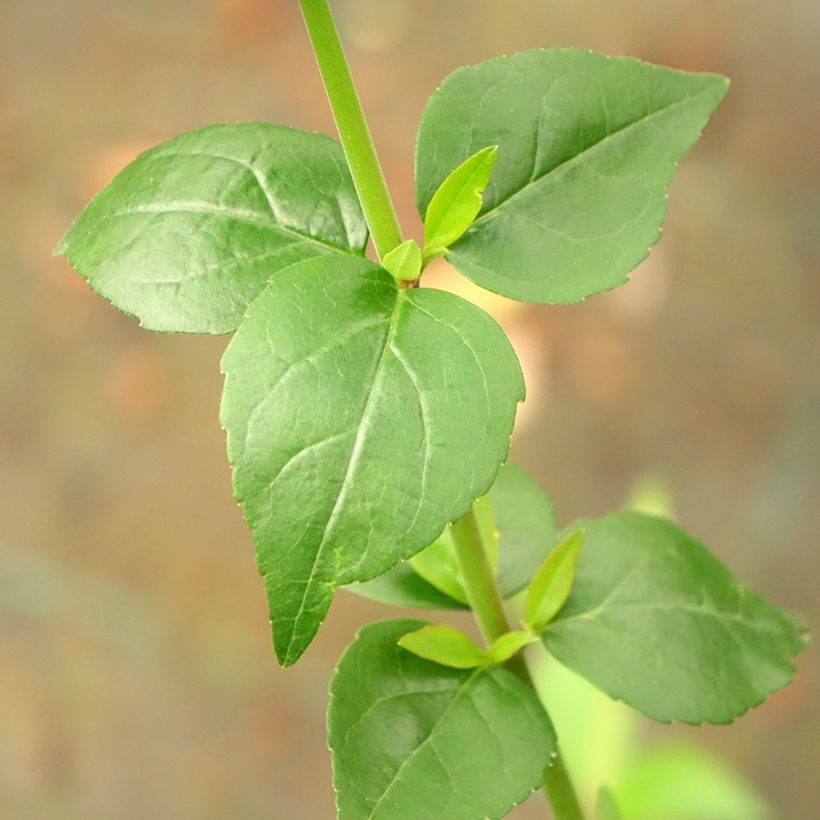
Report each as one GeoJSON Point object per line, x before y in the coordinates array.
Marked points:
{"type": "Point", "coordinates": [509, 644]}
{"type": "Point", "coordinates": [189, 233]}
{"type": "Point", "coordinates": [526, 526]}
{"type": "Point", "coordinates": [444, 645]}
{"type": "Point", "coordinates": [587, 146]}
{"type": "Point", "coordinates": [404, 261]}
{"type": "Point", "coordinates": [550, 586]}
{"type": "Point", "coordinates": [403, 586]}
{"type": "Point", "coordinates": [411, 738]}
{"type": "Point", "coordinates": [457, 202]}
{"type": "Point", "coordinates": [655, 620]}
{"type": "Point", "coordinates": [437, 565]}
{"type": "Point", "coordinates": [353, 439]}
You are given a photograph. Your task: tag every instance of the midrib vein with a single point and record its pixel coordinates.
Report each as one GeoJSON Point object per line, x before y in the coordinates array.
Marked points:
{"type": "Point", "coordinates": [595, 146]}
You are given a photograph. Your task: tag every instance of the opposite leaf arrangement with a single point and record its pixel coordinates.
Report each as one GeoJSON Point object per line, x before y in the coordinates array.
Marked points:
{"type": "Point", "coordinates": [368, 418]}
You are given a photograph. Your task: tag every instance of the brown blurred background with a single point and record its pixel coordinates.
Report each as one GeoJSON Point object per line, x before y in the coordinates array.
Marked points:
{"type": "Point", "coordinates": [136, 674]}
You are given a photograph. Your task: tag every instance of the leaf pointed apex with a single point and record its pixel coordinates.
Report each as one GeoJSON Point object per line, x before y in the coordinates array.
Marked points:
{"type": "Point", "coordinates": [457, 202]}
{"type": "Point", "coordinates": [404, 261]}
{"type": "Point", "coordinates": [551, 584]}
{"type": "Point", "coordinates": [444, 645]}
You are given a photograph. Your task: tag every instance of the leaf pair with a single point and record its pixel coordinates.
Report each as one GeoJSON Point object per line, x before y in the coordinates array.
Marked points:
{"type": "Point", "coordinates": [647, 614]}
{"type": "Point", "coordinates": [449, 647]}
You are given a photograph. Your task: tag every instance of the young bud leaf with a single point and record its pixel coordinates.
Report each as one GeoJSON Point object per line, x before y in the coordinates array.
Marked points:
{"type": "Point", "coordinates": [444, 645]}
{"type": "Point", "coordinates": [509, 644]}
{"type": "Point", "coordinates": [404, 261]}
{"type": "Point", "coordinates": [457, 202]}
{"type": "Point", "coordinates": [551, 584]}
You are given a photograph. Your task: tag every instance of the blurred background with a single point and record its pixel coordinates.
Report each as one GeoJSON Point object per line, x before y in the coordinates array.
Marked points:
{"type": "Point", "coordinates": [137, 678]}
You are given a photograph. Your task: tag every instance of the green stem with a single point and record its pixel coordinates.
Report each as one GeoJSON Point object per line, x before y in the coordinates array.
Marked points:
{"type": "Point", "coordinates": [488, 609]}
{"type": "Point", "coordinates": [477, 574]}
{"type": "Point", "coordinates": [353, 131]}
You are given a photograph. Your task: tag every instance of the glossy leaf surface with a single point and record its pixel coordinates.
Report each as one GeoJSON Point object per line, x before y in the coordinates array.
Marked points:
{"type": "Point", "coordinates": [190, 232]}
{"type": "Point", "coordinates": [411, 738]}
{"type": "Point", "coordinates": [655, 620]}
{"type": "Point", "coordinates": [354, 440]}
{"type": "Point", "coordinates": [587, 146]}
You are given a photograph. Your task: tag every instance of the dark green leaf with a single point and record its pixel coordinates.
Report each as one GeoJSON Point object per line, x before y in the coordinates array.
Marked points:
{"type": "Point", "coordinates": [587, 146]}
{"type": "Point", "coordinates": [526, 525]}
{"type": "Point", "coordinates": [190, 232]}
{"type": "Point", "coordinates": [655, 620]}
{"type": "Point", "coordinates": [457, 202]}
{"type": "Point", "coordinates": [411, 738]}
{"type": "Point", "coordinates": [444, 645]}
{"type": "Point", "coordinates": [354, 440]}
{"type": "Point", "coordinates": [550, 586]}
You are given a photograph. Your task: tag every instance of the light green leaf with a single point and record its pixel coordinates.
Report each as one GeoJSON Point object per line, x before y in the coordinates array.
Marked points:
{"type": "Point", "coordinates": [525, 522]}
{"type": "Point", "coordinates": [457, 202]}
{"type": "Point", "coordinates": [189, 233]}
{"type": "Point", "coordinates": [411, 738]}
{"type": "Point", "coordinates": [655, 620]}
{"type": "Point", "coordinates": [437, 565]}
{"type": "Point", "coordinates": [353, 439]}
{"type": "Point", "coordinates": [444, 645]}
{"type": "Point", "coordinates": [403, 586]}
{"type": "Point", "coordinates": [404, 261]}
{"type": "Point", "coordinates": [587, 146]}
{"type": "Point", "coordinates": [606, 808]}
{"type": "Point", "coordinates": [551, 584]}
{"type": "Point", "coordinates": [680, 781]}
{"type": "Point", "coordinates": [507, 645]}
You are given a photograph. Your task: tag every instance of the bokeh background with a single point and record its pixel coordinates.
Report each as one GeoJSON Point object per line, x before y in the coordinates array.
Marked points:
{"type": "Point", "coordinates": [136, 675]}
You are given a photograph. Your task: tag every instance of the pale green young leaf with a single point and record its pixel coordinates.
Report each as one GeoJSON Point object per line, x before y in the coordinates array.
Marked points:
{"type": "Point", "coordinates": [551, 584]}
{"type": "Point", "coordinates": [437, 565]}
{"type": "Point", "coordinates": [403, 586]}
{"type": "Point", "coordinates": [587, 146]}
{"type": "Point", "coordinates": [504, 647]}
{"type": "Point", "coordinates": [404, 261]}
{"type": "Point", "coordinates": [344, 420]}
{"type": "Point", "coordinates": [189, 233]}
{"type": "Point", "coordinates": [411, 738]}
{"type": "Point", "coordinates": [524, 518]}
{"type": "Point", "coordinates": [444, 645]}
{"type": "Point", "coordinates": [655, 620]}
{"type": "Point", "coordinates": [456, 203]}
